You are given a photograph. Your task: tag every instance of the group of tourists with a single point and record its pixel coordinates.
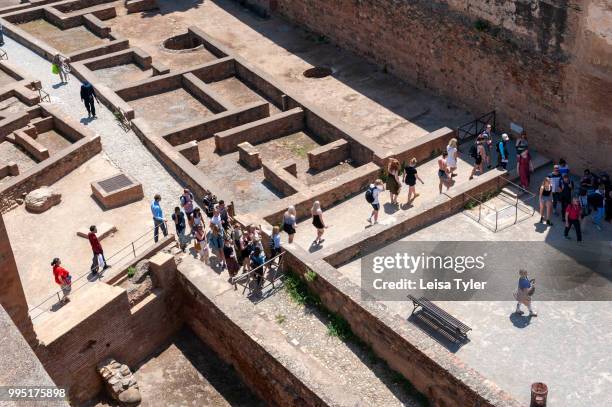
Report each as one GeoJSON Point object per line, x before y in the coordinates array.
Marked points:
{"type": "Point", "coordinates": [592, 196]}
{"type": "Point", "coordinates": [225, 242]}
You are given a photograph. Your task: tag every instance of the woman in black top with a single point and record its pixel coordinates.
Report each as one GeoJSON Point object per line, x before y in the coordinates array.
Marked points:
{"type": "Point", "coordinates": [410, 178]}
{"type": "Point", "coordinates": [317, 222]}
{"type": "Point", "coordinates": [546, 201]}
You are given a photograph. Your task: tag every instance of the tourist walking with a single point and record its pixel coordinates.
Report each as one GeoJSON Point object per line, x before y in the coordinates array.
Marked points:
{"type": "Point", "coordinates": [229, 254]}
{"type": "Point", "coordinates": [372, 195]}
{"type": "Point", "coordinates": [393, 180]}
{"type": "Point", "coordinates": [451, 160]}
{"type": "Point", "coordinates": [555, 183]}
{"type": "Point", "coordinates": [98, 254]}
{"type": "Point", "coordinates": [258, 259]}
{"type": "Point", "coordinates": [598, 203]}
{"type": "Point", "coordinates": [216, 243]}
{"type": "Point", "coordinates": [187, 203]}
{"type": "Point", "coordinates": [486, 138]}
{"type": "Point", "coordinates": [289, 223]}
{"type": "Point", "coordinates": [524, 293]}
{"type": "Point", "coordinates": [62, 278]}
{"type": "Point", "coordinates": [223, 214]}
{"type": "Point", "coordinates": [410, 178]}
{"type": "Point", "coordinates": [443, 172]}
{"type": "Point", "coordinates": [200, 244]}
{"type": "Point", "coordinates": [158, 218]}
{"type": "Point", "coordinates": [216, 218]}
{"type": "Point", "coordinates": [236, 237]}
{"type": "Point", "coordinates": [479, 154]}
{"type": "Point", "coordinates": [59, 67]}
{"type": "Point", "coordinates": [573, 214]}
{"type": "Point", "coordinates": [275, 242]}
{"type": "Point", "coordinates": [196, 218]}
{"type": "Point", "coordinates": [546, 201]}
{"type": "Point", "coordinates": [563, 167]}
{"type": "Point", "coordinates": [524, 167]}
{"type": "Point", "coordinates": [179, 224]}
{"type": "Point", "coordinates": [88, 95]}
{"type": "Point", "coordinates": [566, 193]}
{"type": "Point", "coordinates": [317, 222]}
{"type": "Point", "coordinates": [521, 144]}
{"type": "Point", "coordinates": [502, 152]}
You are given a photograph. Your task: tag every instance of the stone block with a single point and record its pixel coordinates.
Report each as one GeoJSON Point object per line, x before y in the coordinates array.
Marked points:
{"type": "Point", "coordinates": [104, 230]}
{"type": "Point", "coordinates": [118, 190]}
{"type": "Point", "coordinates": [329, 155]}
{"type": "Point", "coordinates": [41, 199]}
{"type": "Point", "coordinates": [249, 156]}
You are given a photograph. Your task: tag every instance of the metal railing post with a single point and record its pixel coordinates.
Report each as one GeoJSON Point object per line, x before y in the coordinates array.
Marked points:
{"type": "Point", "coordinates": [133, 249]}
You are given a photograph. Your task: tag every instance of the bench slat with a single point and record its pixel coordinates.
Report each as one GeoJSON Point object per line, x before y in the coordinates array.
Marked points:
{"type": "Point", "coordinates": [441, 317]}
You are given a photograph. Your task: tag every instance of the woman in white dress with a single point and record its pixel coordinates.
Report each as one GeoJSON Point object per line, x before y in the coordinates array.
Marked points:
{"type": "Point", "coordinates": [451, 160]}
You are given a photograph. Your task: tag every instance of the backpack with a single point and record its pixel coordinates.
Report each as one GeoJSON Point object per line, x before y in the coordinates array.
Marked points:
{"type": "Point", "coordinates": [369, 195]}
{"type": "Point", "coordinates": [473, 151]}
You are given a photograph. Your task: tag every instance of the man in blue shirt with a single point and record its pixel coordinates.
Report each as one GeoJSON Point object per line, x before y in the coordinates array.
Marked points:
{"type": "Point", "coordinates": [158, 218]}
{"type": "Point", "coordinates": [502, 152]}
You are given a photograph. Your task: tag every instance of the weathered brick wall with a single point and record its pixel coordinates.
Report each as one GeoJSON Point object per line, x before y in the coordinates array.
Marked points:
{"type": "Point", "coordinates": [544, 64]}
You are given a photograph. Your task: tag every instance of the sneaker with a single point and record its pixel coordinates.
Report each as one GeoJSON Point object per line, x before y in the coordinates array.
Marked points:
{"type": "Point", "coordinates": [533, 314]}
{"type": "Point", "coordinates": [369, 220]}
{"type": "Point", "coordinates": [471, 177]}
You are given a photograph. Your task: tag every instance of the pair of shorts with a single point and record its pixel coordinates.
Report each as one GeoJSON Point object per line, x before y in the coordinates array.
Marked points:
{"type": "Point", "coordinates": [545, 198]}
{"type": "Point", "coordinates": [478, 159]}
{"type": "Point", "coordinates": [289, 229]}
{"type": "Point", "coordinates": [442, 174]}
{"type": "Point", "coordinates": [411, 183]}
{"type": "Point", "coordinates": [375, 206]}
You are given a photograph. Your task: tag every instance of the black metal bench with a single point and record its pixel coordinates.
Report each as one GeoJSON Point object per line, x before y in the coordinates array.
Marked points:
{"type": "Point", "coordinates": [437, 318]}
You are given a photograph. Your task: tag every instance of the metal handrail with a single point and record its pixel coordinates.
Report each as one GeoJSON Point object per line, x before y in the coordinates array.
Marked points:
{"type": "Point", "coordinates": [471, 129]}
{"type": "Point", "coordinates": [129, 245]}
{"type": "Point", "coordinates": [235, 279]}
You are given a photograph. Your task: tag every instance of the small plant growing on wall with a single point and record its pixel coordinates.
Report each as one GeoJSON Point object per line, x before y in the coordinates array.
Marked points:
{"type": "Point", "coordinates": [131, 271]}
{"type": "Point", "coordinates": [310, 276]}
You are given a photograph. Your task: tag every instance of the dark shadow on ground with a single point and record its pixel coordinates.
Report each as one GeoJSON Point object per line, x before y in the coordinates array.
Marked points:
{"type": "Point", "coordinates": [519, 320]}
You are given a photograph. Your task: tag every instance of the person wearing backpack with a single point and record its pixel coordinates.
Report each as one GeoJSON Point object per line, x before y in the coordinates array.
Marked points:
{"type": "Point", "coordinates": [502, 152]}
{"type": "Point", "coordinates": [372, 195]}
{"type": "Point", "coordinates": [477, 152]}
{"type": "Point", "coordinates": [186, 201]}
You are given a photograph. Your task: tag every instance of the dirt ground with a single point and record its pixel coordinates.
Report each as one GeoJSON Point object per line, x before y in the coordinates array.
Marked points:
{"type": "Point", "coordinates": [122, 74]}
{"type": "Point", "coordinates": [65, 41]}
{"type": "Point", "coordinates": [53, 141]}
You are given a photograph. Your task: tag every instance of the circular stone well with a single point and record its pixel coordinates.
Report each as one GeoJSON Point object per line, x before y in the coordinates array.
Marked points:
{"type": "Point", "coordinates": [182, 43]}
{"type": "Point", "coordinates": [318, 72]}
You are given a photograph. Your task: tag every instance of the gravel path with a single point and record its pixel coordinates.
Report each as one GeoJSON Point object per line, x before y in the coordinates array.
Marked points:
{"type": "Point", "coordinates": [124, 150]}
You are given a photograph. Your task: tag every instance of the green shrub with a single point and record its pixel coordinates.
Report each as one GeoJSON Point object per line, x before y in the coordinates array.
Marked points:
{"type": "Point", "coordinates": [131, 271]}
{"type": "Point", "coordinates": [280, 318]}
{"type": "Point", "coordinates": [310, 276]}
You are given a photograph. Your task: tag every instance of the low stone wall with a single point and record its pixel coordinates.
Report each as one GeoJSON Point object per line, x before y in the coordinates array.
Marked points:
{"type": "Point", "coordinates": [137, 6]}
{"type": "Point", "coordinates": [260, 131]}
{"type": "Point", "coordinates": [33, 147]}
{"type": "Point", "coordinates": [328, 155]}
{"type": "Point", "coordinates": [328, 193]}
{"type": "Point", "coordinates": [190, 151]}
{"type": "Point", "coordinates": [234, 341]}
{"type": "Point", "coordinates": [205, 94]}
{"type": "Point", "coordinates": [48, 172]}
{"type": "Point", "coordinates": [10, 169]}
{"type": "Point", "coordinates": [440, 376]}
{"type": "Point", "coordinates": [281, 179]}
{"type": "Point", "coordinates": [201, 129]}
{"type": "Point", "coordinates": [249, 156]}
{"type": "Point", "coordinates": [424, 148]}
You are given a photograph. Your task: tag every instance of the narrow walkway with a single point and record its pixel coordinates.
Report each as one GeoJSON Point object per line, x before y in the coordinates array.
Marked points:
{"type": "Point", "coordinates": [299, 337]}
{"type": "Point", "coordinates": [124, 150]}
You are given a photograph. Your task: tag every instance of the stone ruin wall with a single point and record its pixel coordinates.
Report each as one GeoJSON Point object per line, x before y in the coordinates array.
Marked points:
{"type": "Point", "coordinates": [543, 64]}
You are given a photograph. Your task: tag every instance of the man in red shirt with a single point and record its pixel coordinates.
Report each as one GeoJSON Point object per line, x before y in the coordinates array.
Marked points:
{"type": "Point", "coordinates": [62, 278]}
{"type": "Point", "coordinates": [98, 253]}
{"type": "Point", "coordinates": [572, 217]}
